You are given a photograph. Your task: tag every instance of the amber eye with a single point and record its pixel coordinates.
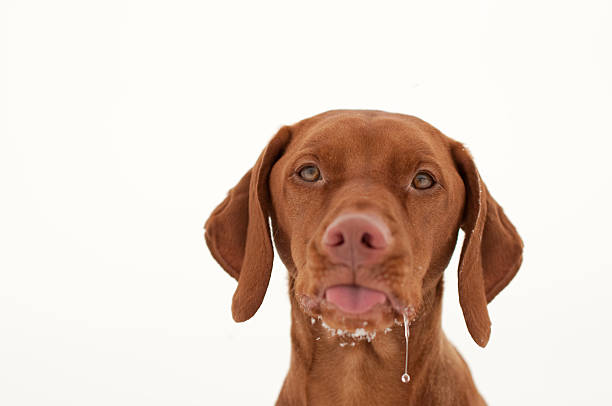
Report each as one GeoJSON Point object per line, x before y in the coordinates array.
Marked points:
{"type": "Point", "coordinates": [310, 173]}
{"type": "Point", "coordinates": [423, 180]}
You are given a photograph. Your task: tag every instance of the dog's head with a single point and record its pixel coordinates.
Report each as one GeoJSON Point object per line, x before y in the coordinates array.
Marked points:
{"type": "Point", "coordinates": [365, 209]}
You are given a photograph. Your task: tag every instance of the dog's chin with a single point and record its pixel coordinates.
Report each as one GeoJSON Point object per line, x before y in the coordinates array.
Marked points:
{"type": "Point", "coordinates": [355, 310]}
{"type": "Point", "coordinates": [378, 318]}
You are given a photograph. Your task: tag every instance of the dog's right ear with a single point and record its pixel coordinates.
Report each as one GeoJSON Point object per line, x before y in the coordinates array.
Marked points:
{"type": "Point", "coordinates": [238, 235]}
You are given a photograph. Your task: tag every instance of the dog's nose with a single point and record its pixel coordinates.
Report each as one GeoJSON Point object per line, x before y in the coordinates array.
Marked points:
{"type": "Point", "coordinates": [356, 239]}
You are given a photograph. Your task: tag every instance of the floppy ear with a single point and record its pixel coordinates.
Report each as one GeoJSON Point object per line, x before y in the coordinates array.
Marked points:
{"type": "Point", "coordinates": [492, 249]}
{"type": "Point", "coordinates": [238, 235]}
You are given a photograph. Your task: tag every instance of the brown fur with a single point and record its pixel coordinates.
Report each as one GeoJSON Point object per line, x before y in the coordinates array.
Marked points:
{"type": "Point", "coordinates": [368, 159]}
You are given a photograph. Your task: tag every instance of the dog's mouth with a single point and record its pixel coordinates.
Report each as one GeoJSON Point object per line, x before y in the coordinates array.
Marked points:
{"type": "Point", "coordinates": [352, 307]}
{"type": "Point", "coordinates": [354, 299]}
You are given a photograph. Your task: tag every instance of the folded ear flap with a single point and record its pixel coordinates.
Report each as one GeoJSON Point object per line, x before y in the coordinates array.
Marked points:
{"type": "Point", "coordinates": [492, 249]}
{"type": "Point", "coordinates": [238, 235]}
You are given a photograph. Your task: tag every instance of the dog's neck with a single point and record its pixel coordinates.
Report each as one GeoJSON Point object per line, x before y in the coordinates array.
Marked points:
{"type": "Point", "coordinates": [324, 372]}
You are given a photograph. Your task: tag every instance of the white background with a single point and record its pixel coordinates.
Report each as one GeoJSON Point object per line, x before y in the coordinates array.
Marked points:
{"type": "Point", "coordinates": [124, 123]}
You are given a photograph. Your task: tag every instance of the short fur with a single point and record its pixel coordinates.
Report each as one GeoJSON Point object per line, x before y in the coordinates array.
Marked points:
{"type": "Point", "coordinates": [368, 159]}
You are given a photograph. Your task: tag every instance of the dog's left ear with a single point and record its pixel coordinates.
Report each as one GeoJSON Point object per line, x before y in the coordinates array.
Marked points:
{"type": "Point", "coordinates": [238, 235]}
{"type": "Point", "coordinates": [492, 249]}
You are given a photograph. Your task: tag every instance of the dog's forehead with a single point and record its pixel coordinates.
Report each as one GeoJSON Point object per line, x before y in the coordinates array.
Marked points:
{"type": "Point", "coordinates": [369, 135]}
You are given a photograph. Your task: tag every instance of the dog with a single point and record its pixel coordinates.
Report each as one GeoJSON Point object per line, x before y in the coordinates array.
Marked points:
{"type": "Point", "coordinates": [365, 210]}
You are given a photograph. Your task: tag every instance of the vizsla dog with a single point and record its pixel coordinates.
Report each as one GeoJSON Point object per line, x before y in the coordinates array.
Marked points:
{"type": "Point", "coordinates": [365, 208]}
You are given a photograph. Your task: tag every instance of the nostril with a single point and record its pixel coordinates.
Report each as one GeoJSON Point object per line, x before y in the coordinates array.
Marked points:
{"type": "Point", "coordinates": [366, 240]}
{"type": "Point", "coordinates": [334, 239]}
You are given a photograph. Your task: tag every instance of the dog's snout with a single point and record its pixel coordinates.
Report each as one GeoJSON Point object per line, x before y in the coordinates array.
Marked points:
{"type": "Point", "coordinates": [356, 239]}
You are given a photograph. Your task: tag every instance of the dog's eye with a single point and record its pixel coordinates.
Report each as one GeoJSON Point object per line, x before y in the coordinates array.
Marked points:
{"type": "Point", "coordinates": [423, 180]}
{"type": "Point", "coordinates": [310, 173]}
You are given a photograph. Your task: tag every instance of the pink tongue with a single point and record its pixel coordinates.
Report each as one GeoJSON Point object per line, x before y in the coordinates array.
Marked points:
{"type": "Point", "coordinates": [354, 299]}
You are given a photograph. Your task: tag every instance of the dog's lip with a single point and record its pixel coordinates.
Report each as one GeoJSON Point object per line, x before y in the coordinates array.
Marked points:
{"type": "Point", "coordinates": [311, 303]}
{"type": "Point", "coordinates": [354, 299]}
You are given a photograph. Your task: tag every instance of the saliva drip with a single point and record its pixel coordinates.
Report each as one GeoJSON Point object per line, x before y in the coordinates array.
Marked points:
{"type": "Point", "coordinates": [406, 377]}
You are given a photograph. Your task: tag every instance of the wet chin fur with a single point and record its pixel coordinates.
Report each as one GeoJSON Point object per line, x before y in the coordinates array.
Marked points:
{"type": "Point", "coordinates": [379, 318]}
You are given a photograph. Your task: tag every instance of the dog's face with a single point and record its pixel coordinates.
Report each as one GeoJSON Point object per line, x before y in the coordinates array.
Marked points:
{"type": "Point", "coordinates": [365, 209]}
{"type": "Point", "coordinates": [344, 181]}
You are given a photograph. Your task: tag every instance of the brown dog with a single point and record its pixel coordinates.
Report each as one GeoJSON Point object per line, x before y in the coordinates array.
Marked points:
{"type": "Point", "coordinates": [365, 208]}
